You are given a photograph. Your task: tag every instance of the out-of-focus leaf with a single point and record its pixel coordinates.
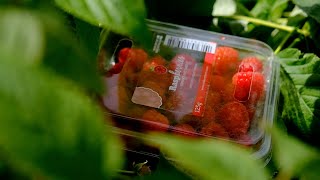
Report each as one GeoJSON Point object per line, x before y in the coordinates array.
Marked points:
{"type": "Point", "coordinates": [88, 35]}
{"type": "Point", "coordinates": [311, 7]}
{"type": "Point", "coordinates": [122, 16]}
{"type": "Point", "coordinates": [49, 126]}
{"type": "Point", "coordinates": [300, 88]}
{"type": "Point", "coordinates": [291, 154]}
{"type": "Point", "coordinates": [211, 159]}
{"type": "Point", "coordinates": [269, 9]}
{"type": "Point", "coordinates": [33, 37]}
{"type": "Point", "coordinates": [21, 36]}
{"type": "Point", "coordinates": [224, 8]}
{"type": "Point", "coordinates": [311, 171]}
{"type": "Point", "coordinates": [68, 56]}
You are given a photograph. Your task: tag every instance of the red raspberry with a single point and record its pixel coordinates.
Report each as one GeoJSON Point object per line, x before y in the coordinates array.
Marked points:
{"type": "Point", "coordinates": [214, 129]}
{"type": "Point", "coordinates": [154, 62]}
{"type": "Point", "coordinates": [227, 93]}
{"type": "Point", "coordinates": [123, 55]}
{"type": "Point", "coordinates": [116, 69]}
{"type": "Point", "coordinates": [258, 82]}
{"type": "Point", "coordinates": [185, 130]}
{"type": "Point", "coordinates": [135, 110]}
{"type": "Point", "coordinates": [217, 83]}
{"type": "Point", "coordinates": [252, 61]}
{"type": "Point", "coordinates": [209, 116]}
{"type": "Point", "coordinates": [248, 85]}
{"type": "Point", "coordinates": [234, 118]}
{"type": "Point", "coordinates": [197, 121]}
{"type": "Point", "coordinates": [135, 58]}
{"type": "Point", "coordinates": [256, 94]}
{"type": "Point", "coordinates": [155, 121]}
{"type": "Point", "coordinates": [225, 60]}
{"type": "Point", "coordinates": [251, 112]}
{"type": "Point", "coordinates": [242, 82]}
{"type": "Point", "coordinates": [213, 100]}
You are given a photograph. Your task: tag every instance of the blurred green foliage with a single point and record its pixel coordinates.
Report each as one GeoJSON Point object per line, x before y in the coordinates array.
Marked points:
{"type": "Point", "coordinates": [50, 128]}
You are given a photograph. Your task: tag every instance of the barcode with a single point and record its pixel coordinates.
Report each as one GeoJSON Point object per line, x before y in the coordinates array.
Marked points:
{"type": "Point", "coordinates": [191, 44]}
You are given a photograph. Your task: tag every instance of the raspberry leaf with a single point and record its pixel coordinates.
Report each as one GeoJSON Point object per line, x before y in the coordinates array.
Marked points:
{"type": "Point", "coordinates": [300, 88]}
{"type": "Point", "coordinates": [263, 8]}
{"type": "Point", "coordinates": [311, 7]}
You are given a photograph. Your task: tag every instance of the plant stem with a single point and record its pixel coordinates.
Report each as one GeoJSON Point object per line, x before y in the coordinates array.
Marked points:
{"type": "Point", "coordinates": [295, 41]}
{"type": "Point", "coordinates": [289, 29]}
{"type": "Point", "coordinates": [126, 172]}
{"type": "Point", "coordinates": [283, 42]}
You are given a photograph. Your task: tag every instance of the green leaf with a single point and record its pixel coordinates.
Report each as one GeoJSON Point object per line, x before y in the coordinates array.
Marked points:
{"type": "Point", "coordinates": [311, 171]}
{"type": "Point", "coordinates": [48, 126]}
{"type": "Point", "coordinates": [269, 9]}
{"type": "Point", "coordinates": [224, 8]}
{"type": "Point", "coordinates": [296, 19]}
{"type": "Point", "coordinates": [291, 154]}
{"type": "Point", "coordinates": [22, 36]}
{"type": "Point", "coordinates": [68, 55]}
{"type": "Point", "coordinates": [41, 38]}
{"type": "Point", "coordinates": [88, 35]}
{"type": "Point", "coordinates": [300, 88]}
{"type": "Point", "coordinates": [311, 7]}
{"type": "Point", "coordinates": [122, 16]}
{"type": "Point", "coordinates": [211, 159]}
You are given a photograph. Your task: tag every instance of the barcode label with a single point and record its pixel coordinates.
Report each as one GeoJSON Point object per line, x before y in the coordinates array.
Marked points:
{"type": "Point", "coordinates": [191, 44]}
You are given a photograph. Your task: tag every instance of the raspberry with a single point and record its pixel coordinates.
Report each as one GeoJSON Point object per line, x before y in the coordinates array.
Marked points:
{"type": "Point", "coordinates": [234, 118]}
{"type": "Point", "coordinates": [123, 55]}
{"type": "Point", "coordinates": [252, 61]}
{"type": "Point", "coordinates": [258, 82]}
{"type": "Point", "coordinates": [217, 83]}
{"type": "Point", "coordinates": [214, 129]}
{"type": "Point", "coordinates": [155, 121]}
{"type": "Point", "coordinates": [209, 116]}
{"type": "Point", "coordinates": [173, 102]}
{"type": "Point", "coordinates": [185, 130]}
{"type": "Point", "coordinates": [213, 100]}
{"type": "Point", "coordinates": [225, 60]}
{"type": "Point", "coordinates": [227, 93]}
{"type": "Point", "coordinates": [128, 77]}
{"type": "Point", "coordinates": [154, 62]}
{"type": "Point", "coordinates": [242, 82]}
{"type": "Point", "coordinates": [251, 112]}
{"type": "Point", "coordinates": [248, 86]}
{"type": "Point", "coordinates": [134, 59]}
{"type": "Point", "coordinates": [136, 111]}
{"type": "Point", "coordinates": [179, 102]}
{"type": "Point", "coordinates": [197, 121]}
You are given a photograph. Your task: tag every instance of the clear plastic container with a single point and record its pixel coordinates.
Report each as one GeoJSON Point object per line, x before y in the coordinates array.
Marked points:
{"type": "Point", "coordinates": [192, 82]}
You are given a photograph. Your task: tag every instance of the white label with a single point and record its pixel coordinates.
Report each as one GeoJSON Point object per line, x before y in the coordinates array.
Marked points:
{"type": "Point", "coordinates": [156, 46]}
{"type": "Point", "coordinates": [191, 44]}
